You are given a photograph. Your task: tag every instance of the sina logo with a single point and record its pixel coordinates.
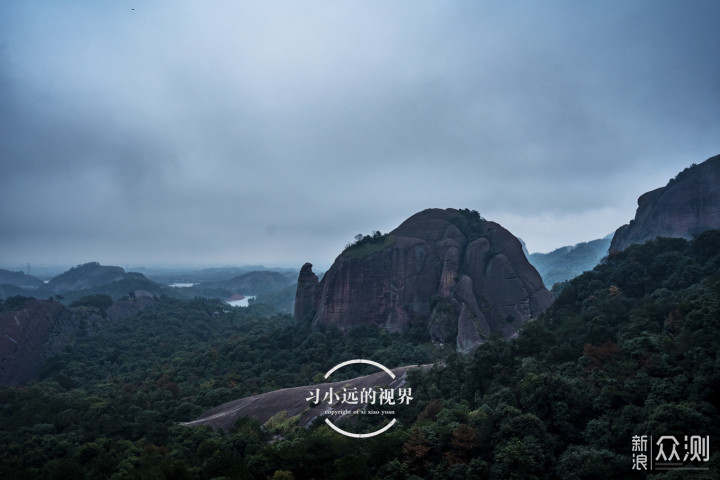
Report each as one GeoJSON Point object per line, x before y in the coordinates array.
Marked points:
{"type": "Point", "coordinates": [351, 400]}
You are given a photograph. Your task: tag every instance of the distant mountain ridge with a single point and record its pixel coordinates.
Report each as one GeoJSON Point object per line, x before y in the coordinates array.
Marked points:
{"type": "Point", "coordinates": [92, 278]}
{"type": "Point", "coordinates": [250, 283]}
{"type": "Point", "coordinates": [459, 275]}
{"type": "Point", "coordinates": [82, 277]}
{"type": "Point", "coordinates": [566, 263]}
{"type": "Point", "coordinates": [19, 279]}
{"type": "Point", "coordinates": [172, 275]}
{"type": "Point", "coordinates": [687, 205]}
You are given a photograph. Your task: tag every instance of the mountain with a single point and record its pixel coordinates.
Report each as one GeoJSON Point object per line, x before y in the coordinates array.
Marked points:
{"type": "Point", "coordinates": [565, 263]}
{"type": "Point", "coordinates": [82, 277]}
{"type": "Point", "coordinates": [628, 348]}
{"type": "Point", "coordinates": [189, 274]}
{"type": "Point", "coordinates": [19, 279]}
{"type": "Point", "coordinates": [92, 278]}
{"type": "Point", "coordinates": [687, 205]}
{"type": "Point", "coordinates": [460, 276]}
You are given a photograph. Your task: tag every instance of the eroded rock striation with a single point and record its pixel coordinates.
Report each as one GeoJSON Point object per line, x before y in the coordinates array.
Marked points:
{"type": "Point", "coordinates": [686, 206]}
{"type": "Point", "coordinates": [460, 276]}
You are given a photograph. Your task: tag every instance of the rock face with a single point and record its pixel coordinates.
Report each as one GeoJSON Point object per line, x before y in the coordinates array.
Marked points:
{"type": "Point", "coordinates": [460, 276]}
{"type": "Point", "coordinates": [687, 205]}
{"type": "Point", "coordinates": [31, 334]}
{"type": "Point", "coordinates": [35, 330]}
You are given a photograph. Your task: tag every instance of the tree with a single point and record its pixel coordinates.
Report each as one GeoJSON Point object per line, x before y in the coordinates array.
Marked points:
{"type": "Point", "coordinates": [415, 450]}
{"type": "Point", "coordinates": [520, 458]}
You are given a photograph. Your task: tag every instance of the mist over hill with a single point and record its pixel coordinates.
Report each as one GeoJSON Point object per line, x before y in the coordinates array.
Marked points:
{"type": "Point", "coordinates": [568, 262]}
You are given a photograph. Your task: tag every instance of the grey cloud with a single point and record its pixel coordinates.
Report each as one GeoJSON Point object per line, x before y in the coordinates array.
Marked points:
{"type": "Point", "coordinates": [182, 131]}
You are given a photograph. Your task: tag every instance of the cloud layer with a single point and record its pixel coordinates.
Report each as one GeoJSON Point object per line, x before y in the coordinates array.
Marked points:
{"type": "Point", "coordinates": [272, 132]}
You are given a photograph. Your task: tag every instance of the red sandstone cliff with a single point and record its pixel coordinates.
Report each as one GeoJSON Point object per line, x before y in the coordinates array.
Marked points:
{"type": "Point", "coordinates": [687, 205]}
{"type": "Point", "coordinates": [459, 275]}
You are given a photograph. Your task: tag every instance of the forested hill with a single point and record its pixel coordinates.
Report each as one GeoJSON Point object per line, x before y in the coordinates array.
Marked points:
{"type": "Point", "coordinates": [565, 263]}
{"type": "Point", "coordinates": [629, 348]}
{"type": "Point", "coordinates": [19, 279]}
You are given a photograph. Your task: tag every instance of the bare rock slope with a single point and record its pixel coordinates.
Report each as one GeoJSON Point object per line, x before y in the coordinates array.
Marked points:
{"type": "Point", "coordinates": [294, 401]}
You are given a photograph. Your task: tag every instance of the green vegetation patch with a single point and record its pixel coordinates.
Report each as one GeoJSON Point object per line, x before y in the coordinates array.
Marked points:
{"type": "Point", "coordinates": [368, 245]}
{"type": "Point", "coordinates": [100, 301]}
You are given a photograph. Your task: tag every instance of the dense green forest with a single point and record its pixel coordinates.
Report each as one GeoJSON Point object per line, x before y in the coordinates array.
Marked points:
{"type": "Point", "coordinates": [629, 348]}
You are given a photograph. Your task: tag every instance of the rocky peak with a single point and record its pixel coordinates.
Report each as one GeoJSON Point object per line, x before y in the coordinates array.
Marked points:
{"type": "Point", "coordinates": [307, 288]}
{"type": "Point", "coordinates": [461, 276]}
{"type": "Point", "coordinates": [686, 206]}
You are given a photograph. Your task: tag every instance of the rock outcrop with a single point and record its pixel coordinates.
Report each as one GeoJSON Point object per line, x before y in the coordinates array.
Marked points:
{"type": "Point", "coordinates": [687, 205]}
{"type": "Point", "coordinates": [34, 330]}
{"type": "Point", "coordinates": [459, 275]}
{"type": "Point", "coordinates": [306, 294]}
{"type": "Point", "coordinates": [31, 334]}
{"type": "Point", "coordinates": [294, 401]}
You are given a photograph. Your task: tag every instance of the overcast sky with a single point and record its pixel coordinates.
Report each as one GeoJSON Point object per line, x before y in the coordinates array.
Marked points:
{"type": "Point", "coordinates": [226, 132]}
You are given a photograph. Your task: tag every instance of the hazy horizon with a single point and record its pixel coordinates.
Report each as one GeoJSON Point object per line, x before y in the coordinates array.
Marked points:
{"type": "Point", "coordinates": [229, 133]}
{"type": "Point", "coordinates": [169, 267]}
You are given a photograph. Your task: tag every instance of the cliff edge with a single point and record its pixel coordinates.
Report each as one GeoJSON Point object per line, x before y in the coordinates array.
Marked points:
{"type": "Point", "coordinates": [687, 205]}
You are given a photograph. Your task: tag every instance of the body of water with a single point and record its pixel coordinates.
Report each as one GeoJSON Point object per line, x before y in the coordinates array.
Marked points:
{"type": "Point", "coordinates": [241, 303]}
